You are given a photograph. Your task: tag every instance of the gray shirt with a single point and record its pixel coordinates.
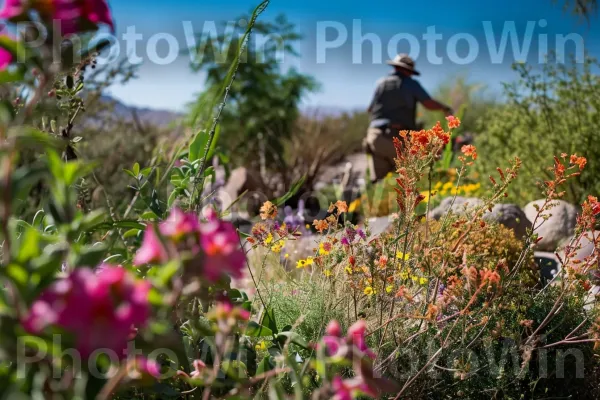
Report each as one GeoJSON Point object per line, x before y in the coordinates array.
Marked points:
{"type": "Point", "coordinates": [395, 100]}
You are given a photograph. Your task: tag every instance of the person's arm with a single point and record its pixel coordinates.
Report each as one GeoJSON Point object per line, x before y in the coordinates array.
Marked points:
{"type": "Point", "coordinates": [435, 105]}
{"type": "Point", "coordinates": [428, 102]}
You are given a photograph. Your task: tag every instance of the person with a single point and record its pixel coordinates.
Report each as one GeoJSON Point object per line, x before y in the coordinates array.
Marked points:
{"type": "Point", "coordinates": [393, 109]}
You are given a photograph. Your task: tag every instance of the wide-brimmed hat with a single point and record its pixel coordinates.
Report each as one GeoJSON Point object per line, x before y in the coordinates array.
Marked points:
{"type": "Point", "coordinates": [404, 61]}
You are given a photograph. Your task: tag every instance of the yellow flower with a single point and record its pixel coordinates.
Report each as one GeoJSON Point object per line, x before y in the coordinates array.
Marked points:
{"type": "Point", "coordinates": [448, 186]}
{"type": "Point", "coordinates": [389, 175]}
{"type": "Point", "coordinates": [404, 275]}
{"type": "Point", "coordinates": [438, 185]}
{"type": "Point", "coordinates": [307, 226]}
{"type": "Point", "coordinates": [327, 273]}
{"type": "Point", "coordinates": [401, 256]}
{"type": "Point", "coordinates": [322, 250]}
{"type": "Point", "coordinates": [309, 261]}
{"type": "Point", "coordinates": [287, 255]}
{"type": "Point", "coordinates": [349, 270]}
{"type": "Point", "coordinates": [354, 205]}
{"type": "Point", "coordinates": [414, 278]}
{"type": "Point", "coordinates": [389, 289]}
{"type": "Point", "coordinates": [423, 280]}
{"type": "Point", "coordinates": [276, 248]}
{"type": "Point", "coordinates": [269, 239]}
{"type": "Point", "coordinates": [261, 345]}
{"type": "Point", "coordinates": [426, 196]}
{"type": "Point", "coordinates": [368, 291]}
{"type": "Point", "coordinates": [301, 264]}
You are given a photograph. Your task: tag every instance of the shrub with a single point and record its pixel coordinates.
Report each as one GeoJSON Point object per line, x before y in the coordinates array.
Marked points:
{"type": "Point", "coordinates": [546, 112]}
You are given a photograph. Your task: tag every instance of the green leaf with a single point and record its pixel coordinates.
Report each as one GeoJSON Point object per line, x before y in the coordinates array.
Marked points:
{"type": "Point", "coordinates": [292, 337]}
{"type": "Point", "coordinates": [12, 75]}
{"type": "Point", "coordinates": [256, 330]}
{"type": "Point", "coordinates": [268, 320]}
{"type": "Point", "coordinates": [294, 189]}
{"type": "Point", "coordinates": [198, 145]}
{"type": "Point", "coordinates": [131, 233]}
{"type": "Point", "coordinates": [267, 364]}
{"type": "Point", "coordinates": [136, 169]}
{"type": "Point", "coordinates": [89, 256]}
{"type": "Point", "coordinates": [235, 369]}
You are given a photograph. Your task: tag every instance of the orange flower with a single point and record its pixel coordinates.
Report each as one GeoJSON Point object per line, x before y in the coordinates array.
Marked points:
{"type": "Point", "coordinates": [579, 161]}
{"type": "Point", "coordinates": [453, 122]}
{"type": "Point", "coordinates": [341, 206]}
{"type": "Point", "coordinates": [470, 151]}
{"type": "Point", "coordinates": [320, 225]}
{"type": "Point", "coordinates": [268, 210]}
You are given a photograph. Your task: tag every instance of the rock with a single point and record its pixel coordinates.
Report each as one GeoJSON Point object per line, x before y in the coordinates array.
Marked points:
{"type": "Point", "coordinates": [379, 225]}
{"type": "Point", "coordinates": [558, 227]}
{"type": "Point", "coordinates": [455, 204]}
{"type": "Point", "coordinates": [241, 180]}
{"type": "Point", "coordinates": [585, 248]}
{"type": "Point", "coordinates": [511, 216]}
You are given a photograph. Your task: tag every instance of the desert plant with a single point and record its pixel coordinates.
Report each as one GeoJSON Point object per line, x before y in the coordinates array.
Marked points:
{"type": "Point", "coordinates": [546, 111]}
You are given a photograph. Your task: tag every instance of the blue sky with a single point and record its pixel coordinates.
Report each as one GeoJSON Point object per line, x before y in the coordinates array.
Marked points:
{"type": "Point", "coordinates": [345, 81]}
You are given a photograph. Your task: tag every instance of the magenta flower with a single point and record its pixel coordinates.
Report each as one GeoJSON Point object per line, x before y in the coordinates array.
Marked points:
{"type": "Point", "coordinates": [152, 250]}
{"type": "Point", "coordinates": [350, 389]}
{"type": "Point", "coordinates": [180, 224]}
{"type": "Point", "coordinates": [99, 310]}
{"type": "Point", "coordinates": [334, 329]}
{"type": "Point", "coordinates": [73, 16]}
{"type": "Point", "coordinates": [6, 58]}
{"type": "Point", "coordinates": [221, 247]}
{"type": "Point", "coordinates": [356, 336]}
{"type": "Point", "coordinates": [12, 9]}
{"type": "Point", "coordinates": [342, 390]}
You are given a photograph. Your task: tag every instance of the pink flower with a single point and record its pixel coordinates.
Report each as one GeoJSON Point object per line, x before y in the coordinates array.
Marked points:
{"type": "Point", "coordinates": [199, 367]}
{"type": "Point", "coordinates": [351, 388]}
{"type": "Point", "coordinates": [221, 247]}
{"type": "Point", "coordinates": [356, 336]}
{"type": "Point", "coordinates": [152, 250]}
{"type": "Point", "coordinates": [147, 367]}
{"type": "Point", "coordinates": [180, 224]}
{"type": "Point", "coordinates": [99, 310]}
{"type": "Point", "coordinates": [6, 58]}
{"type": "Point", "coordinates": [76, 15]}
{"type": "Point", "coordinates": [12, 9]}
{"type": "Point", "coordinates": [334, 329]}
{"type": "Point", "coordinates": [342, 390]}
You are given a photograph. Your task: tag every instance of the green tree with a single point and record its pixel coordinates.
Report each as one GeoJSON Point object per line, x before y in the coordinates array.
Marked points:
{"type": "Point", "coordinates": [264, 99]}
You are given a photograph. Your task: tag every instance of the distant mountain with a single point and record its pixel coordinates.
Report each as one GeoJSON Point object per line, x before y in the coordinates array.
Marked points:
{"type": "Point", "coordinates": [149, 116]}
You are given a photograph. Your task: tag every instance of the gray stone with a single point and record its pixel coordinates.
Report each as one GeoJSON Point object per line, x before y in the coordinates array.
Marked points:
{"type": "Point", "coordinates": [241, 180]}
{"type": "Point", "coordinates": [379, 225]}
{"type": "Point", "coordinates": [559, 226]}
{"type": "Point", "coordinates": [457, 205]}
{"type": "Point", "coordinates": [583, 249]}
{"type": "Point", "coordinates": [511, 216]}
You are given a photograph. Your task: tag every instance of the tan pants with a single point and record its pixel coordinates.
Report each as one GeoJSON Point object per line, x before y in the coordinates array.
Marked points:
{"type": "Point", "coordinates": [382, 151]}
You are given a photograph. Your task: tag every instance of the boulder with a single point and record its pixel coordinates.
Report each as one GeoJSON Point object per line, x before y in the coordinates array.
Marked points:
{"type": "Point", "coordinates": [241, 180]}
{"type": "Point", "coordinates": [457, 205]}
{"type": "Point", "coordinates": [511, 216]}
{"type": "Point", "coordinates": [559, 226]}
{"type": "Point", "coordinates": [584, 249]}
